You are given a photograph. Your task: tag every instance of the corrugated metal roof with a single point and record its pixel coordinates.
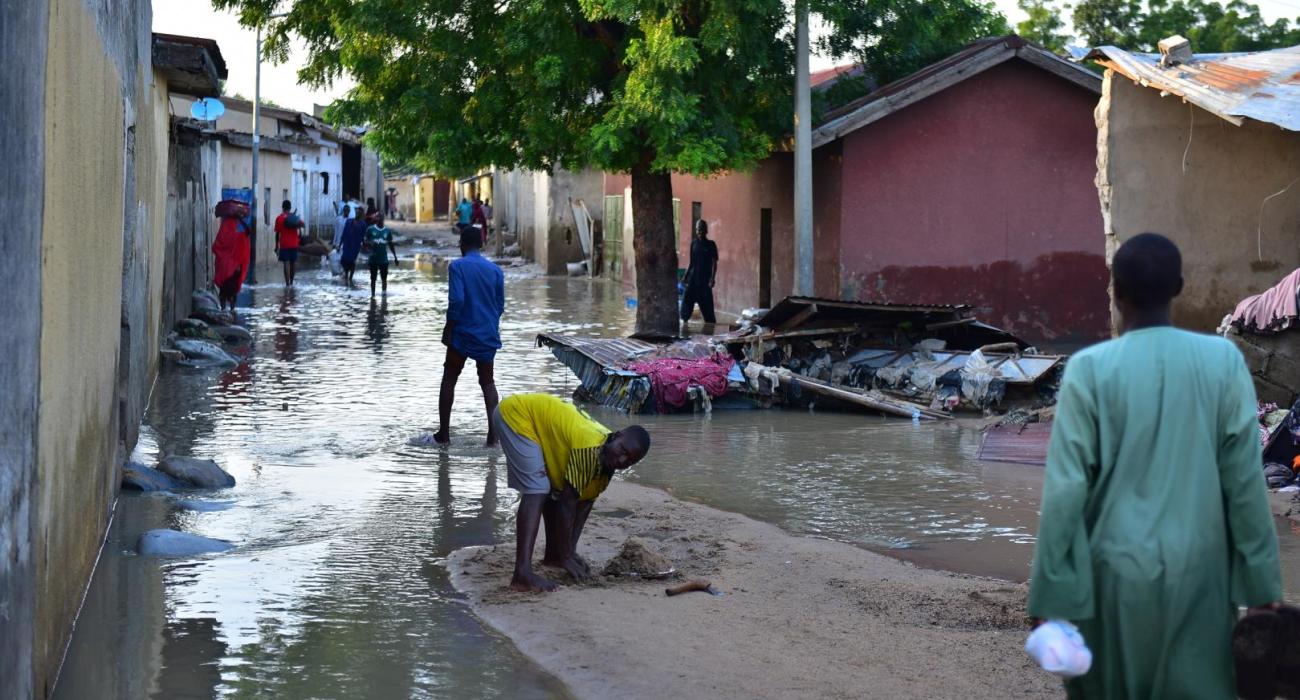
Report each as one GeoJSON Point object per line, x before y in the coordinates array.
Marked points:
{"type": "Point", "coordinates": [837, 309]}
{"type": "Point", "coordinates": [617, 352]}
{"type": "Point", "coordinates": [1017, 444]}
{"type": "Point", "coordinates": [1263, 85]}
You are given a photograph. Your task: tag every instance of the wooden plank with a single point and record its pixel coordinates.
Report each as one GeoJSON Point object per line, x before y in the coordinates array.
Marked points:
{"type": "Point", "coordinates": [884, 406]}
{"type": "Point", "coordinates": [800, 317]}
{"type": "Point", "coordinates": [807, 332]}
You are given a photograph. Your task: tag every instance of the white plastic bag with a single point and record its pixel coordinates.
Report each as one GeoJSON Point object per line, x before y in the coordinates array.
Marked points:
{"type": "Point", "coordinates": [976, 377]}
{"type": "Point", "coordinates": [336, 262]}
{"type": "Point", "coordinates": [1058, 648]}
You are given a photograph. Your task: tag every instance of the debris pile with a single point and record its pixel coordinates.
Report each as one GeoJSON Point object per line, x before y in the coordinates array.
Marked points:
{"type": "Point", "coordinates": [920, 362]}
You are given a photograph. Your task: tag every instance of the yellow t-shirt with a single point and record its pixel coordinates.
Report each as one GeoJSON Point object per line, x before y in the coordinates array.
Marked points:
{"type": "Point", "coordinates": [570, 440]}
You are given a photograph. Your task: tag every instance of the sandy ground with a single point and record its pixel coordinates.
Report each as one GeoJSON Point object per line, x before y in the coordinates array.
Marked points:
{"type": "Point", "coordinates": [800, 618]}
{"type": "Point", "coordinates": [1285, 505]}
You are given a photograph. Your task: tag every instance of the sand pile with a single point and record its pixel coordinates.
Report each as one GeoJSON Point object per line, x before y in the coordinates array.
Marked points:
{"type": "Point", "coordinates": [635, 558]}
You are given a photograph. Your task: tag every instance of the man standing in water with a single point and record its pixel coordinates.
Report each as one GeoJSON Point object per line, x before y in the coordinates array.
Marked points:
{"type": "Point", "coordinates": [476, 298]}
{"type": "Point", "coordinates": [380, 240]}
{"type": "Point", "coordinates": [354, 234]}
{"type": "Point", "coordinates": [1155, 523]}
{"type": "Point", "coordinates": [700, 275]}
{"type": "Point", "coordinates": [287, 226]}
{"type": "Point", "coordinates": [559, 460]}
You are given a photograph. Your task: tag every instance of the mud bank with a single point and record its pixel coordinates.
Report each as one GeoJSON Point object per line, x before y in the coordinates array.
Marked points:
{"type": "Point", "coordinates": [800, 617]}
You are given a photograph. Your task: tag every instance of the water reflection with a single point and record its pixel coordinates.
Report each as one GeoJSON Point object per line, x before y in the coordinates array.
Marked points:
{"type": "Point", "coordinates": [336, 590]}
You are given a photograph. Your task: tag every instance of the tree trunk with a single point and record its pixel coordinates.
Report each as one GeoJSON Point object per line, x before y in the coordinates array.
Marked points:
{"type": "Point", "coordinates": [655, 244]}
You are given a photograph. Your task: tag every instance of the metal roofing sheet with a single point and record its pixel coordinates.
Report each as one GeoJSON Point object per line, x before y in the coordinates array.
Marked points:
{"type": "Point", "coordinates": [1263, 85]}
{"type": "Point", "coordinates": [617, 352]}
{"type": "Point", "coordinates": [1017, 444]}
{"type": "Point", "coordinates": [790, 307]}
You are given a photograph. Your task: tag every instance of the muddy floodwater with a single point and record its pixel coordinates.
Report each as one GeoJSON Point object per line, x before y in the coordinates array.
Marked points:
{"type": "Point", "coordinates": [336, 588]}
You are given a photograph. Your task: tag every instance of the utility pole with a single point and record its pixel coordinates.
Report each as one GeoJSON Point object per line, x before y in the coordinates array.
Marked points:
{"type": "Point", "coordinates": [257, 140]}
{"type": "Point", "coordinates": [803, 194]}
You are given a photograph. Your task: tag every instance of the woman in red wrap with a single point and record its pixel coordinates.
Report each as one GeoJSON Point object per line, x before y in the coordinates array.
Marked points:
{"type": "Point", "coordinates": [231, 251]}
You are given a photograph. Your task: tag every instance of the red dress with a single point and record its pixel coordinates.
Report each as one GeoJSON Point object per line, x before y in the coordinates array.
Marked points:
{"type": "Point", "coordinates": [231, 251]}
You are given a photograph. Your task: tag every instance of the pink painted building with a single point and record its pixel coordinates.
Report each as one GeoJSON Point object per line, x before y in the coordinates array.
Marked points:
{"type": "Point", "coordinates": [970, 181]}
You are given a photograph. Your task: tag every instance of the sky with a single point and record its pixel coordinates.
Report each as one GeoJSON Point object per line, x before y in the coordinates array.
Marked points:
{"type": "Point", "coordinates": [280, 83]}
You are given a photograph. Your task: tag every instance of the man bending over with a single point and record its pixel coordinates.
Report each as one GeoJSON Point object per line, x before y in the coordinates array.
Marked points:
{"type": "Point", "coordinates": [559, 460]}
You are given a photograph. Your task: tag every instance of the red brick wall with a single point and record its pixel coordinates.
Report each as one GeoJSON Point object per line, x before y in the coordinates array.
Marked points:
{"type": "Point", "coordinates": [982, 194]}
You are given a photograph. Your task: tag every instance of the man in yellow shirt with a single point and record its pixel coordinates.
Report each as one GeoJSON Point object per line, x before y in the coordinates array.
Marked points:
{"type": "Point", "coordinates": [559, 460]}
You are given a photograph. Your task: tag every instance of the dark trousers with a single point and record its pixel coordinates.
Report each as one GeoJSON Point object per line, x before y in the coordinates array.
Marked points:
{"type": "Point", "coordinates": [701, 294]}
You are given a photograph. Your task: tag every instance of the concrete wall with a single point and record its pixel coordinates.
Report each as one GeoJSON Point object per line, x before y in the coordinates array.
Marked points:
{"type": "Point", "coordinates": [276, 173]}
{"type": "Point", "coordinates": [315, 199]}
{"type": "Point", "coordinates": [100, 287]}
{"type": "Point", "coordinates": [405, 196]}
{"type": "Point", "coordinates": [1209, 197]}
{"type": "Point", "coordinates": [982, 195]}
{"type": "Point", "coordinates": [86, 138]}
{"type": "Point", "coordinates": [24, 37]}
{"type": "Point", "coordinates": [534, 205]}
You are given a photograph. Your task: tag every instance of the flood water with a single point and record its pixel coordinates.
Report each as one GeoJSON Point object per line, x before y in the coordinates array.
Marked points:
{"type": "Point", "coordinates": [336, 588]}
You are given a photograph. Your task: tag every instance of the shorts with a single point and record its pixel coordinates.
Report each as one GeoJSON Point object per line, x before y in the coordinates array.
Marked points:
{"type": "Point", "coordinates": [289, 255]}
{"type": "Point", "coordinates": [526, 472]}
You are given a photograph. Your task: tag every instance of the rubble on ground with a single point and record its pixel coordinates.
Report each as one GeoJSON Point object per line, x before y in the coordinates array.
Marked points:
{"type": "Point", "coordinates": [915, 361]}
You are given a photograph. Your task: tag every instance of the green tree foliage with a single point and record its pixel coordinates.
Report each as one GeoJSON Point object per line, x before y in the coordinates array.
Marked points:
{"type": "Point", "coordinates": [895, 38]}
{"type": "Point", "coordinates": [1212, 27]}
{"type": "Point", "coordinates": [1043, 24]}
{"type": "Point", "coordinates": [647, 87]}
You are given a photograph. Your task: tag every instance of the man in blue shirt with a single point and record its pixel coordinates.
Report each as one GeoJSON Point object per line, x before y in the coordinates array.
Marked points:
{"type": "Point", "coordinates": [476, 291]}
{"type": "Point", "coordinates": [464, 212]}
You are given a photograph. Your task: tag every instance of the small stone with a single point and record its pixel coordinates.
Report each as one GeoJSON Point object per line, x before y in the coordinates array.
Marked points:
{"type": "Point", "coordinates": [200, 473]}
{"type": "Point", "coordinates": [174, 543]}
{"type": "Point", "coordinates": [138, 477]}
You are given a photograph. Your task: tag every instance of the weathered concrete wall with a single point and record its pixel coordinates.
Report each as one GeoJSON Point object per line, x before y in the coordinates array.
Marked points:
{"type": "Point", "coordinates": [276, 174]}
{"type": "Point", "coordinates": [101, 154]}
{"type": "Point", "coordinates": [24, 37]}
{"type": "Point", "coordinates": [564, 245]}
{"type": "Point", "coordinates": [534, 205]}
{"type": "Point", "coordinates": [981, 195]}
{"type": "Point", "coordinates": [1214, 198]}
{"type": "Point", "coordinates": [732, 204]}
{"type": "Point", "coordinates": [405, 196]}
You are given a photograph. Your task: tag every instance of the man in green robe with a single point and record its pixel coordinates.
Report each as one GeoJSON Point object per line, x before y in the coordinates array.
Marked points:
{"type": "Point", "coordinates": [1155, 522]}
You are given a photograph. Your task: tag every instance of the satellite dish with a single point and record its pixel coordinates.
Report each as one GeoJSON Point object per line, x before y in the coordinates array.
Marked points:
{"type": "Point", "coordinates": [207, 109]}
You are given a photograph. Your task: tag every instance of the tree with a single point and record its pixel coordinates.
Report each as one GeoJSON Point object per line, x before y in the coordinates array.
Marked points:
{"type": "Point", "coordinates": [1043, 24]}
{"type": "Point", "coordinates": [895, 38]}
{"type": "Point", "coordinates": [1107, 22]}
{"type": "Point", "coordinates": [1210, 26]}
{"type": "Point", "coordinates": [647, 87]}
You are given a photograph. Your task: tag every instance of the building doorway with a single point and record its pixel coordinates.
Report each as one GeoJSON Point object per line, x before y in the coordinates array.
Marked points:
{"type": "Point", "coordinates": [765, 259]}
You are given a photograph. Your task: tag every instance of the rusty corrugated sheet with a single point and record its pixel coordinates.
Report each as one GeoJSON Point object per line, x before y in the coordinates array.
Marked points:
{"type": "Point", "coordinates": [1264, 85]}
{"type": "Point", "coordinates": [1017, 444]}
{"type": "Point", "coordinates": [606, 352]}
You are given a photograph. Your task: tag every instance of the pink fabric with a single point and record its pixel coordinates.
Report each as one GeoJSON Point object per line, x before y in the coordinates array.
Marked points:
{"type": "Point", "coordinates": [1272, 311]}
{"type": "Point", "coordinates": [670, 378]}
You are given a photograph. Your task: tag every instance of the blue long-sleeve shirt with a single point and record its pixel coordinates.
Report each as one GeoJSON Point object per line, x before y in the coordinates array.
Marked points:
{"type": "Point", "coordinates": [477, 298]}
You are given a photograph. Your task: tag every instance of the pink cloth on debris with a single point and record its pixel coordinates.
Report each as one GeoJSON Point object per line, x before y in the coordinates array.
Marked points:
{"type": "Point", "coordinates": [1274, 310]}
{"type": "Point", "coordinates": [670, 378]}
